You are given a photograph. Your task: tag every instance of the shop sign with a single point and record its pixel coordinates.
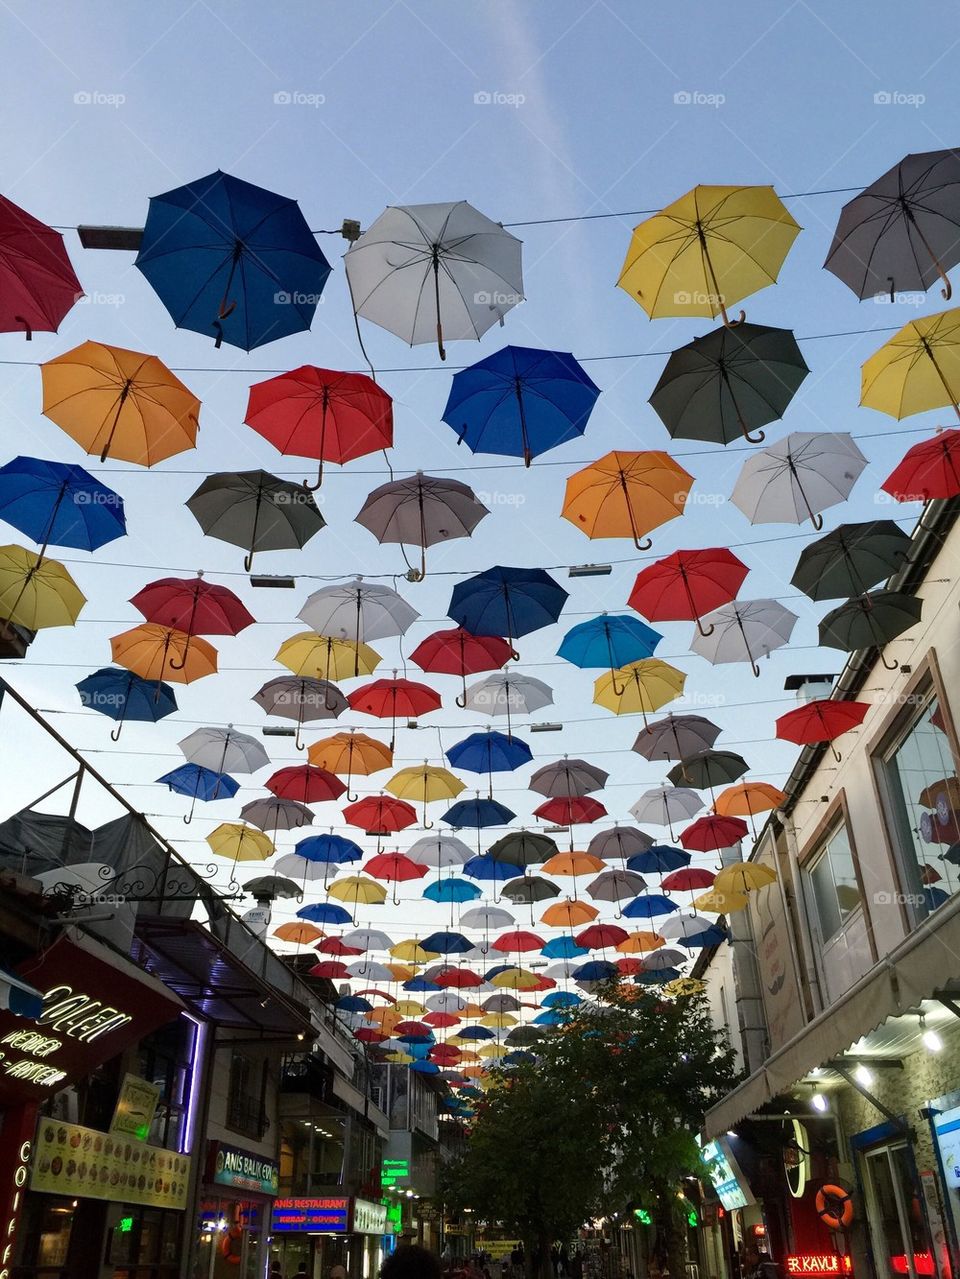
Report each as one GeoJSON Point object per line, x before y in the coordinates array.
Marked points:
{"type": "Point", "coordinates": [393, 1171]}
{"type": "Point", "coordinates": [947, 1128]}
{"type": "Point", "coordinates": [244, 1171]}
{"type": "Point", "coordinates": [728, 1180]}
{"type": "Point", "coordinates": [328, 1215]}
{"type": "Point", "coordinates": [85, 1164]}
{"type": "Point", "coordinates": [818, 1263]}
{"type": "Point", "coordinates": [21, 1161]}
{"type": "Point", "coordinates": [394, 1219]}
{"type": "Point", "coordinates": [369, 1218]}
{"type": "Point", "coordinates": [136, 1107]}
{"type": "Point", "coordinates": [497, 1248]}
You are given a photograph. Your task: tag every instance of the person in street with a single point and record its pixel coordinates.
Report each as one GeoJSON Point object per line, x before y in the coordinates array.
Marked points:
{"type": "Point", "coordinates": [300, 1273]}
{"type": "Point", "coordinates": [411, 1261]}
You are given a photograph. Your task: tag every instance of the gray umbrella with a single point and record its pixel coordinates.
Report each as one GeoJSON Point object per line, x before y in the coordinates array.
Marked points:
{"type": "Point", "coordinates": [616, 885]}
{"type": "Point", "coordinates": [421, 510]}
{"type": "Point", "coordinates": [523, 848]}
{"type": "Point", "coordinates": [870, 621]}
{"type": "Point", "coordinates": [850, 559]}
{"type": "Point", "coordinates": [225, 750]}
{"type": "Point", "coordinates": [256, 511]}
{"type": "Point", "coordinates": [675, 736]}
{"type": "Point", "coordinates": [276, 814]}
{"type": "Point", "coordinates": [568, 777]}
{"type": "Point", "coordinates": [708, 768]}
{"type": "Point", "coordinates": [501, 1004]}
{"type": "Point", "coordinates": [270, 887]}
{"type": "Point", "coordinates": [798, 477]}
{"type": "Point", "coordinates": [744, 630]}
{"type": "Point", "coordinates": [302, 699]}
{"type": "Point", "coordinates": [530, 888]}
{"type": "Point", "coordinates": [619, 841]}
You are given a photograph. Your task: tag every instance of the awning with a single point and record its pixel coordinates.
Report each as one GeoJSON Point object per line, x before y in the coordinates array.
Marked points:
{"type": "Point", "coordinates": [920, 965]}
{"type": "Point", "coordinates": [18, 996]}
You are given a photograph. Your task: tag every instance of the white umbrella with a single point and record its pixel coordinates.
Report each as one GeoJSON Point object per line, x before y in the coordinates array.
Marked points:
{"type": "Point", "coordinates": [430, 272]}
{"type": "Point", "coordinates": [370, 970]}
{"type": "Point", "coordinates": [439, 851]}
{"type": "Point", "coordinates": [564, 968]}
{"type": "Point", "coordinates": [742, 631]}
{"type": "Point", "coordinates": [663, 805]}
{"type": "Point", "coordinates": [446, 1001]}
{"type": "Point", "coordinates": [486, 917]}
{"type": "Point", "coordinates": [301, 868]}
{"type": "Point", "coordinates": [798, 477]}
{"type": "Point", "coordinates": [358, 611]}
{"type": "Point", "coordinates": [684, 925]}
{"type": "Point", "coordinates": [508, 694]}
{"type": "Point", "coordinates": [224, 750]}
{"type": "Point", "coordinates": [367, 939]}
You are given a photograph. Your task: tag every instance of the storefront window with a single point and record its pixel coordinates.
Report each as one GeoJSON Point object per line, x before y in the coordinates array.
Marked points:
{"type": "Point", "coordinates": [145, 1244]}
{"type": "Point", "coordinates": [832, 883]}
{"type": "Point", "coordinates": [901, 1244]}
{"type": "Point", "coordinates": [230, 1237]}
{"type": "Point", "coordinates": [45, 1230]}
{"type": "Point", "coordinates": [164, 1058]}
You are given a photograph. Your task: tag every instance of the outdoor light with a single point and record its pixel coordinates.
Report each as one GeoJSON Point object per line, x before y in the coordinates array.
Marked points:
{"type": "Point", "coordinates": [546, 728]}
{"type": "Point", "coordinates": [929, 1038]}
{"type": "Point", "coordinates": [270, 730]}
{"type": "Point", "coordinates": [111, 237]}
{"type": "Point", "coordinates": [274, 581]}
{"type": "Point", "coordinates": [731, 1133]}
{"type": "Point", "coordinates": [818, 1101]}
{"type": "Point", "coordinates": [863, 1076]}
{"type": "Point", "coordinates": [589, 570]}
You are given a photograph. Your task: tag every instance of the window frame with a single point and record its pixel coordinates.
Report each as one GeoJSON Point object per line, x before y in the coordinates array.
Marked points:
{"type": "Point", "coordinates": [836, 815]}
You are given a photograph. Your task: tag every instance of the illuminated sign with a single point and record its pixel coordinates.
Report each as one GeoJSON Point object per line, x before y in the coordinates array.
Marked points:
{"type": "Point", "coordinates": [136, 1106]}
{"type": "Point", "coordinates": [19, 1181]}
{"type": "Point", "coordinates": [80, 1162]}
{"type": "Point", "coordinates": [818, 1263]}
{"type": "Point", "coordinates": [232, 1167]}
{"type": "Point", "coordinates": [369, 1218]}
{"type": "Point", "coordinates": [394, 1170]}
{"type": "Point", "coordinates": [728, 1180]}
{"type": "Point", "coordinates": [327, 1215]}
{"type": "Point", "coordinates": [922, 1264]}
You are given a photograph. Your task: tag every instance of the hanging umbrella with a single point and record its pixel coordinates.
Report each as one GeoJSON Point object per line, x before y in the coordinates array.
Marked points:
{"type": "Point", "coordinates": [421, 510]}
{"type": "Point", "coordinates": [658, 860]}
{"type": "Point", "coordinates": [820, 721]}
{"type": "Point", "coordinates": [619, 841]}
{"type": "Point", "coordinates": [380, 814]}
{"type": "Point", "coordinates": [708, 768]}
{"type": "Point", "coordinates": [608, 641]}
{"type": "Point", "coordinates": [446, 943]}
{"type": "Point", "coordinates": [626, 495]}
{"type": "Point", "coordinates": [917, 369]}
{"type": "Point", "coordinates": [486, 917]}
{"type": "Point", "coordinates": [368, 970]}
{"type": "Point", "coordinates": [306, 783]}
{"type": "Point", "coordinates": [36, 593]}
{"type": "Point", "coordinates": [350, 753]}
{"type": "Point", "coordinates": [707, 250]}
{"type": "Point", "coordinates": [570, 811]}
{"type": "Point", "coordinates": [358, 611]}
{"type": "Point", "coordinates": [240, 844]}
{"type": "Point", "coordinates": [520, 402]}
{"type": "Point", "coordinates": [301, 934]}
{"type": "Point", "coordinates": [515, 979]}
{"type": "Point", "coordinates": [439, 851]}
{"type": "Point", "coordinates": [572, 864]}
{"type": "Point", "coordinates": [38, 285]}
{"type": "Point", "coordinates": [255, 511]}
{"type": "Point", "coordinates": [321, 657]}
{"type": "Point", "coordinates": [529, 889]}
{"type": "Point", "coordinates": [930, 469]}
{"type": "Point", "coordinates": [744, 630]}
{"type": "Point", "coordinates": [522, 848]}
{"type": "Point", "coordinates": [850, 559]}
{"type": "Point", "coordinates": [313, 857]}
{"type": "Point", "coordinates": [311, 412]}
{"type": "Point", "coordinates": [276, 814]}
{"type": "Point", "coordinates": [123, 696]}
{"type": "Point", "coordinates": [478, 813]}
{"type": "Point", "coordinates": [675, 736]}
{"type": "Point", "coordinates": [193, 606]}
{"type": "Point", "coordinates": [668, 957]}
{"type": "Point", "coordinates": [394, 699]}
{"type": "Point", "coordinates": [640, 942]}
{"type": "Point", "coordinates": [225, 750]}
{"type": "Point", "coordinates": [508, 694]}
{"type": "Point", "coordinates": [900, 233]}
{"type": "Point", "coordinates": [199, 783]}
{"type": "Point", "coordinates": [688, 879]}
{"type": "Point", "coordinates": [490, 753]}
{"type": "Point", "coordinates": [743, 877]}
{"type": "Point", "coordinates": [798, 477]}
{"type": "Point", "coordinates": [649, 906]}
{"type": "Point", "coordinates": [870, 621]}
{"type": "Point", "coordinates": [232, 261]}
{"type": "Point", "coordinates": [119, 403]}
{"type": "Point", "coordinates": [599, 936]}
{"type": "Point", "coordinates": [424, 784]}
{"type": "Point", "coordinates": [517, 941]}
{"type": "Point", "coordinates": [595, 970]}
{"type": "Point", "coordinates": [457, 652]}
{"type": "Point", "coordinates": [721, 903]}
{"type": "Point", "coordinates": [324, 913]}
{"type": "Point", "coordinates": [711, 833]}
{"type": "Point", "coordinates": [271, 887]}
{"type": "Point", "coordinates": [722, 386]}
{"type": "Point", "coordinates": [747, 799]}
{"type": "Point", "coordinates": [395, 868]}
{"type": "Point", "coordinates": [569, 913]}
{"type": "Point", "coordinates": [640, 686]}
{"type": "Point", "coordinates": [508, 602]}
{"type": "Point", "coordinates": [57, 502]}
{"type": "Point", "coordinates": [687, 584]}
{"type": "Point", "coordinates": [573, 777]}
{"type": "Point", "coordinates": [160, 652]}
{"type": "Point", "coordinates": [301, 699]}
{"type": "Point", "coordinates": [452, 890]}
{"type": "Point", "coordinates": [662, 805]}
{"type": "Point", "coordinates": [361, 892]}
{"type": "Point", "coordinates": [434, 272]}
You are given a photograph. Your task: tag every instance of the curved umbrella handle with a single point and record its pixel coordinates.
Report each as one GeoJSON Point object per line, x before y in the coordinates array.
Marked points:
{"type": "Point", "coordinates": [643, 544]}
{"type": "Point", "coordinates": [890, 666]}
{"type": "Point", "coordinates": [248, 561]}
{"type": "Point", "coordinates": [756, 438]}
{"type": "Point", "coordinates": [178, 666]}
{"type": "Point", "coordinates": [312, 488]}
{"type": "Point", "coordinates": [115, 733]}
{"type": "Point", "coordinates": [709, 630]}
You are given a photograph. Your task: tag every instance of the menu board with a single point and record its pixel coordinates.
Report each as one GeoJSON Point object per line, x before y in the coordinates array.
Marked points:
{"type": "Point", "coordinates": [136, 1107]}
{"type": "Point", "coordinates": [85, 1164]}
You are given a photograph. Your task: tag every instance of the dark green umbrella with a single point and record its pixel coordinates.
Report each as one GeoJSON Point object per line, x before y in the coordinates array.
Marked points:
{"type": "Point", "coordinates": [851, 559]}
{"type": "Point", "coordinates": [530, 888]}
{"type": "Point", "coordinates": [523, 848]}
{"type": "Point", "coordinates": [255, 511]}
{"type": "Point", "coordinates": [268, 887]}
{"type": "Point", "coordinates": [708, 768]}
{"type": "Point", "coordinates": [870, 621]}
{"type": "Point", "coordinates": [724, 385]}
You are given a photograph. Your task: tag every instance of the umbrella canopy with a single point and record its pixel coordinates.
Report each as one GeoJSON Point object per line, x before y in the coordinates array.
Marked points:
{"type": "Point", "coordinates": [658, 860]}
{"type": "Point", "coordinates": [708, 768]}
{"type": "Point", "coordinates": [640, 686]}
{"type": "Point", "coordinates": [569, 913]}
{"type": "Point", "coordinates": [360, 891]}
{"type": "Point", "coordinates": [324, 913]}
{"type": "Point", "coordinates": [358, 611]}
{"type": "Point", "coordinates": [321, 657]}
{"type": "Point", "coordinates": [424, 784]}
{"type": "Point", "coordinates": [276, 814]}
{"type": "Point", "coordinates": [917, 369]}
{"type": "Point", "coordinates": [798, 477]}
{"type": "Point", "coordinates": [686, 584]}
{"type": "Point", "coordinates": [870, 621]}
{"type": "Point", "coordinates": [748, 798]}
{"type": "Point", "coordinates": [439, 851]}
{"type": "Point", "coordinates": [452, 890]}
{"type": "Point", "coordinates": [900, 233]}
{"type": "Point", "coordinates": [724, 386]}
{"type": "Point", "coordinates": [311, 412]}
{"type": "Point", "coordinates": [232, 261]}
{"type": "Point", "coordinates": [609, 641]}
{"type": "Point", "coordinates": [394, 867]}
{"type": "Point", "coordinates": [380, 814]}
{"type": "Point", "coordinates": [516, 941]}
{"type": "Point", "coordinates": [640, 942]}
{"type": "Point", "coordinates": [119, 403]}
{"type": "Point", "coordinates": [225, 750]}
{"type": "Point", "coordinates": [568, 777]}
{"type": "Point", "coordinates": [744, 630]}
{"type": "Point", "coordinates": [649, 906]}
{"type": "Point", "coordinates": [520, 402]}
{"type": "Point", "coordinates": [193, 605]}
{"type": "Point", "coordinates": [930, 469]}
{"type": "Point", "coordinates": [508, 694]}
{"type": "Point", "coordinates": [707, 250]}
{"type": "Point", "coordinates": [529, 889]}
{"type": "Point", "coordinates": [486, 917]}
{"type": "Point", "coordinates": [160, 652]}
{"type": "Point", "coordinates": [567, 810]}
{"type": "Point", "coordinates": [434, 272]}
{"type": "Point", "coordinates": [662, 805]}
{"type": "Point", "coordinates": [301, 934]}
{"type": "Point", "coordinates": [743, 877]}
{"type": "Point", "coordinates": [446, 943]}
{"type": "Point", "coordinates": [394, 699]}
{"type": "Point", "coordinates": [306, 783]}
{"type": "Point", "coordinates": [522, 848]}
{"type": "Point", "coordinates": [38, 285]}
{"type": "Point", "coordinates": [59, 503]}
{"type": "Point", "coordinates": [820, 721]}
{"type": "Point", "coordinates": [302, 699]}
{"type": "Point", "coordinates": [269, 887]}
{"type": "Point", "coordinates": [457, 652]}
{"type": "Point", "coordinates": [478, 813]}
{"type": "Point", "coordinates": [421, 510]}
{"type": "Point", "coordinates": [850, 559]}
{"type": "Point", "coordinates": [711, 833]}
{"type": "Point", "coordinates": [122, 695]}
{"type": "Point", "coordinates": [240, 843]}
{"type": "Point", "coordinates": [489, 752]}
{"type": "Point", "coordinates": [199, 784]}
{"type": "Point", "coordinates": [350, 753]}
{"type": "Point", "coordinates": [508, 602]}
{"type": "Point", "coordinates": [675, 736]}
{"type": "Point", "coordinates": [688, 879]}
{"type": "Point", "coordinates": [572, 864]}
{"type": "Point", "coordinates": [255, 511]}
{"type": "Point", "coordinates": [626, 495]}
{"type": "Point", "coordinates": [327, 850]}
{"type": "Point", "coordinates": [619, 841]}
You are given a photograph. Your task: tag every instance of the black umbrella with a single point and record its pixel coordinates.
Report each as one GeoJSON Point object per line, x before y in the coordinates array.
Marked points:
{"type": "Point", "coordinates": [708, 768]}
{"type": "Point", "coordinates": [870, 621]}
{"type": "Point", "coordinates": [902, 231]}
{"type": "Point", "coordinates": [530, 888]}
{"type": "Point", "coordinates": [522, 848]}
{"type": "Point", "coordinates": [256, 511]}
{"type": "Point", "coordinates": [725, 385]}
{"type": "Point", "coordinates": [850, 559]}
{"type": "Point", "coordinates": [270, 887]}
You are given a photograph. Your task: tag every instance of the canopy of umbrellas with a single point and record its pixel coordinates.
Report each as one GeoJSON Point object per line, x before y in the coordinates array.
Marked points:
{"type": "Point", "coordinates": [240, 265]}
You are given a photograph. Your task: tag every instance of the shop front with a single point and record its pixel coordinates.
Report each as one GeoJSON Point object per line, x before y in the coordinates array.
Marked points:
{"type": "Point", "coordinates": [321, 1232]}
{"type": "Point", "coordinates": [234, 1213]}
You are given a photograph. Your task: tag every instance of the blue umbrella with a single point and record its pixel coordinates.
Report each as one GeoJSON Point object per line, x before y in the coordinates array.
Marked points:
{"type": "Point", "coordinates": [121, 695]}
{"type": "Point", "coordinates": [476, 1032]}
{"type": "Point", "coordinates": [332, 849]}
{"type": "Point", "coordinates": [497, 968]}
{"type": "Point", "coordinates": [325, 913]}
{"type": "Point", "coordinates": [446, 943]}
{"type": "Point", "coordinates": [484, 868]}
{"type": "Point", "coordinates": [647, 978]}
{"type": "Point", "coordinates": [596, 970]}
{"type": "Point", "coordinates": [518, 1057]}
{"type": "Point", "coordinates": [934, 897]}
{"type": "Point", "coordinates": [421, 984]}
{"type": "Point", "coordinates": [425, 1067]}
{"type": "Point", "coordinates": [233, 261]}
{"type": "Point", "coordinates": [490, 752]}
{"type": "Point", "coordinates": [658, 860]}
{"type": "Point", "coordinates": [479, 813]}
{"type": "Point", "coordinates": [649, 906]}
{"type": "Point", "coordinates": [199, 783]}
{"type": "Point", "coordinates": [520, 402]}
{"type": "Point", "coordinates": [60, 503]}
{"type": "Point", "coordinates": [507, 601]}
{"type": "Point", "coordinates": [561, 999]}
{"type": "Point", "coordinates": [551, 1018]}
{"type": "Point", "coordinates": [712, 936]}
{"type": "Point", "coordinates": [452, 889]}
{"type": "Point", "coordinates": [608, 641]}
{"type": "Point", "coordinates": [562, 948]}
{"type": "Point", "coordinates": [353, 1004]}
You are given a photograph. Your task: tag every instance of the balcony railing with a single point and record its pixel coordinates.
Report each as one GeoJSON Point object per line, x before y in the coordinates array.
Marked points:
{"type": "Point", "coordinates": [245, 1115]}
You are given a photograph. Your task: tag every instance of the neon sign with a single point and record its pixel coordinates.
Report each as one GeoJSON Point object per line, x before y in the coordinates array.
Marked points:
{"type": "Point", "coordinates": [922, 1264]}
{"type": "Point", "coordinates": [818, 1263]}
{"type": "Point", "coordinates": [79, 1016]}
{"type": "Point", "coordinates": [19, 1181]}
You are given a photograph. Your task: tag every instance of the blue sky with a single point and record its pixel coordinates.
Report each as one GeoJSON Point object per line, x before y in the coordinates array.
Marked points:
{"type": "Point", "coordinates": [529, 110]}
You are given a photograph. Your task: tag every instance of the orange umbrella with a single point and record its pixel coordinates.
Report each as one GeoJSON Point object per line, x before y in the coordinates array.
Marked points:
{"type": "Point", "coordinates": [572, 864]}
{"type": "Point", "coordinates": [299, 933]}
{"type": "Point", "coordinates": [120, 403]}
{"type": "Point", "coordinates": [569, 914]}
{"type": "Point", "coordinates": [351, 754]}
{"type": "Point", "coordinates": [626, 495]}
{"type": "Point", "coordinates": [161, 652]}
{"type": "Point", "coordinates": [639, 943]}
{"type": "Point", "coordinates": [747, 798]}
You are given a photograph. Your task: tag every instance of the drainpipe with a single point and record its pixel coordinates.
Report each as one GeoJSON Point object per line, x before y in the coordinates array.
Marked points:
{"type": "Point", "coordinates": [746, 979]}
{"type": "Point", "coordinates": [802, 955]}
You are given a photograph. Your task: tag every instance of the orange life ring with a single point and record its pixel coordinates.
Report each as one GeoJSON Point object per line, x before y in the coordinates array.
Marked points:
{"type": "Point", "coordinates": [835, 1206]}
{"type": "Point", "coordinates": [229, 1238]}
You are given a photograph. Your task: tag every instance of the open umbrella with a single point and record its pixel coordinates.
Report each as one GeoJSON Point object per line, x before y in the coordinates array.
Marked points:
{"type": "Point", "coordinates": [478, 813]}
{"type": "Point", "coordinates": [351, 753]}
{"type": "Point", "coordinates": [508, 694]}
{"type": "Point", "coordinates": [707, 250]}
{"type": "Point", "coordinates": [930, 469]}
{"type": "Point", "coordinates": [744, 630]}
{"type": "Point", "coordinates": [225, 750]}
{"type": "Point", "coordinates": [640, 686]}
{"type": "Point", "coordinates": [160, 652]}
{"type": "Point", "coordinates": [687, 584]}
{"type": "Point", "coordinates": [255, 511]}
{"type": "Point", "coordinates": [520, 402]}
{"type": "Point", "coordinates": [917, 369]}
{"type": "Point", "coordinates": [522, 848]}
{"type": "Point", "coordinates": [457, 652]}
{"type": "Point", "coordinates": [662, 805]}
{"type": "Point", "coordinates": [569, 810]}
{"type": "Point", "coordinates": [301, 699]}
{"type": "Point", "coordinates": [424, 784]}
{"type": "Point", "coordinates": [626, 495]}
{"type": "Point", "coordinates": [746, 799]}
{"type": "Point", "coordinates": [820, 721]}
{"type": "Point", "coordinates": [193, 606]}
{"type": "Point", "coordinates": [508, 602]}
{"type": "Point", "coordinates": [421, 510]}
{"type": "Point", "coordinates": [711, 833]}
{"type": "Point", "coordinates": [311, 412]}
{"type": "Point", "coordinates": [123, 696]}
{"type": "Point", "coordinates": [240, 843]}
{"type": "Point", "coordinates": [490, 752]}
{"type": "Point", "coordinates": [708, 768]}
{"type": "Point", "coordinates": [850, 559]}
{"type": "Point", "coordinates": [394, 699]}
{"type": "Point", "coordinates": [380, 814]}
{"type": "Point", "coordinates": [305, 783]}
{"type": "Point", "coordinates": [658, 860]}
{"type": "Point", "coordinates": [452, 890]}
{"type": "Point", "coordinates": [608, 640]}
{"type": "Point", "coordinates": [38, 285]}
{"type": "Point", "coordinates": [119, 403]}
{"type": "Point", "coordinates": [619, 841]}
{"type": "Point", "coordinates": [358, 890]}
{"type": "Point", "coordinates": [569, 913]}
{"type": "Point", "coordinates": [675, 736]}
{"type": "Point", "coordinates": [744, 877]}
{"type": "Point", "coordinates": [434, 272]}
{"type": "Point", "coordinates": [232, 261]}
{"type": "Point", "coordinates": [276, 814]}
{"type": "Point", "coordinates": [615, 886]}
{"type": "Point", "coordinates": [59, 503]}
{"type": "Point", "coordinates": [870, 621]}
{"type": "Point", "coordinates": [725, 385]}
{"type": "Point", "coordinates": [322, 658]}
{"type": "Point", "coordinates": [528, 889]}
{"type": "Point", "coordinates": [199, 783]}
{"type": "Point", "coordinates": [568, 777]}
{"type": "Point", "coordinates": [798, 477]}
{"type": "Point", "coordinates": [395, 868]}
{"type": "Point", "coordinates": [359, 611]}
{"type": "Point", "coordinates": [439, 851]}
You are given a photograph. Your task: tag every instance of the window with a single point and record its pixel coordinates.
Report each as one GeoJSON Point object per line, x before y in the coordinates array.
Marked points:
{"type": "Point", "coordinates": [919, 780]}
{"type": "Point", "coordinates": [246, 1100]}
{"type": "Point", "coordinates": [164, 1058]}
{"type": "Point", "coordinates": [832, 887]}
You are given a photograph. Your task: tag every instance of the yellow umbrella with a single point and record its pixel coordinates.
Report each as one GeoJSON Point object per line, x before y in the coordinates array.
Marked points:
{"type": "Point", "coordinates": [707, 250]}
{"type": "Point", "coordinates": [515, 979]}
{"type": "Point", "coordinates": [626, 495]}
{"type": "Point", "coordinates": [723, 903]}
{"type": "Point", "coordinates": [490, 1050]}
{"type": "Point", "coordinates": [569, 913]}
{"type": "Point", "coordinates": [120, 403]}
{"type": "Point", "coordinates": [640, 686]}
{"type": "Point", "coordinates": [240, 843]}
{"type": "Point", "coordinates": [498, 1021]}
{"type": "Point", "coordinates": [917, 369]}
{"type": "Point", "coordinates": [401, 972]}
{"type": "Point", "coordinates": [35, 592]}
{"type": "Point", "coordinates": [424, 784]}
{"type": "Point", "coordinates": [402, 1059]}
{"type": "Point", "coordinates": [323, 657]}
{"type": "Point", "coordinates": [684, 986]}
{"type": "Point", "coordinates": [409, 1008]}
{"type": "Point", "coordinates": [743, 877]}
{"type": "Point", "coordinates": [299, 933]}
{"type": "Point", "coordinates": [161, 652]}
{"type": "Point", "coordinates": [412, 952]}
{"type": "Point", "coordinates": [357, 889]}
{"type": "Point", "coordinates": [639, 942]}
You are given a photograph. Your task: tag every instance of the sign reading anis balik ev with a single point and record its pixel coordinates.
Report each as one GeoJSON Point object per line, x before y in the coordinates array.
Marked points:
{"type": "Point", "coordinates": [243, 1170]}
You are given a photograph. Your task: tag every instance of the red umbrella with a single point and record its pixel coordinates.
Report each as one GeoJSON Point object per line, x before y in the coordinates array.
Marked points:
{"type": "Point", "coordinates": [683, 586]}
{"type": "Point", "coordinates": [517, 940]}
{"type": "Point", "coordinates": [311, 412]}
{"type": "Point", "coordinates": [38, 285]}
{"type": "Point", "coordinates": [380, 814]}
{"type": "Point", "coordinates": [597, 936]}
{"type": "Point", "coordinates": [461, 978]}
{"type": "Point", "coordinates": [334, 946]}
{"type": "Point", "coordinates": [445, 1054]}
{"type": "Point", "coordinates": [711, 833]}
{"type": "Point", "coordinates": [412, 1029]}
{"type": "Point", "coordinates": [394, 866]}
{"type": "Point", "coordinates": [441, 1021]}
{"type": "Point", "coordinates": [193, 606]}
{"type": "Point", "coordinates": [306, 783]}
{"type": "Point", "coordinates": [687, 880]}
{"type": "Point", "coordinates": [394, 699]}
{"type": "Point", "coordinates": [821, 721]}
{"type": "Point", "coordinates": [629, 966]}
{"type": "Point", "coordinates": [543, 983]}
{"type": "Point", "coordinates": [930, 469]}
{"type": "Point", "coordinates": [457, 652]}
{"type": "Point", "coordinates": [367, 1034]}
{"type": "Point", "coordinates": [329, 968]}
{"type": "Point", "coordinates": [570, 810]}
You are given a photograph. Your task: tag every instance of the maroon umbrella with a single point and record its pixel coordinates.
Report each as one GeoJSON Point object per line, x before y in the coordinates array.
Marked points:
{"type": "Point", "coordinates": [194, 606]}
{"type": "Point", "coordinates": [38, 285]}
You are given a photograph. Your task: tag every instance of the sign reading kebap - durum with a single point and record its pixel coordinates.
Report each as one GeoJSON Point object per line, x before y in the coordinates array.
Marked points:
{"type": "Point", "coordinates": [71, 1160]}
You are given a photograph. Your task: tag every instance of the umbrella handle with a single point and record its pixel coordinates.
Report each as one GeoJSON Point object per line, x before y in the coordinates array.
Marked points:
{"type": "Point", "coordinates": [756, 438]}
{"type": "Point", "coordinates": [178, 666]}
{"type": "Point", "coordinates": [643, 544]}
{"type": "Point", "coordinates": [27, 327]}
{"type": "Point", "coordinates": [226, 311]}
{"type": "Point", "coordinates": [461, 699]}
{"type": "Point", "coordinates": [115, 733]}
{"type": "Point", "coordinates": [709, 630]}
{"type": "Point", "coordinates": [248, 561]}
{"type": "Point", "coordinates": [836, 754]}
{"type": "Point", "coordinates": [890, 666]}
